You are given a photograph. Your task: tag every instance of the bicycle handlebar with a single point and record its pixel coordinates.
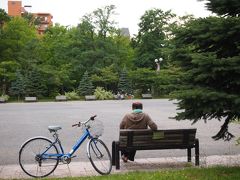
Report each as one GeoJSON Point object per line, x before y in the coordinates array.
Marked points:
{"type": "Point", "coordinates": [85, 122]}
{"type": "Point", "coordinates": [93, 117]}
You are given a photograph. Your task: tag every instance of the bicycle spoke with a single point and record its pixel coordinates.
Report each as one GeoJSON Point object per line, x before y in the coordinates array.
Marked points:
{"type": "Point", "coordinates": [99, 156]}
{"type": "Point", "coordinates": [30, 154]}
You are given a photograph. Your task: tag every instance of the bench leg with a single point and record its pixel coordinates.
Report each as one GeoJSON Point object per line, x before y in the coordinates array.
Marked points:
{"type": "Point", "coordinates": [117, 159]}
{"type": "Point", "coordinates": [196, 152]}
{"type": "Point", "coordinates": [113, 153]}
{"type": "Point", "coordinates": [189, 155]}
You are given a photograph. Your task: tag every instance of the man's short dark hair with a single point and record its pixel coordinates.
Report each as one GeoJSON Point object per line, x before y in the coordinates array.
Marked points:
{"type": "Point", "coordinates": [137, 105]}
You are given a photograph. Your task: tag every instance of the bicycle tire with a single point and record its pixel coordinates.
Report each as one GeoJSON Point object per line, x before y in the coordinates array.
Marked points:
{"type": "Point", "coordinates": [30, 160]}
{"type": "Point", "coordinates": [99, 156]}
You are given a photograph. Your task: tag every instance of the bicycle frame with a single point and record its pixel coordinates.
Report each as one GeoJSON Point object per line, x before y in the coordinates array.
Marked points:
{"type": "Point", "coordinates": [75, 147]}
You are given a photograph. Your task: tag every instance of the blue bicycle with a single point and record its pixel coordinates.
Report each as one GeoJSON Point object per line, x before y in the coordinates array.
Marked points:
{"type": "Point", "coordinates": [39, 156]}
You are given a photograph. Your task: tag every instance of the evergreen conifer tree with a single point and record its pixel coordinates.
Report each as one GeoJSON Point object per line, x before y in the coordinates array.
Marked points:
{"type": "Point", "coordinates": [223, 7]}
{"type": "Point", "coordinates": [19, 85]}
{"type": "Point", "coordinates": [124, 84]}
{"type": "Point", "coordinates": [34, 84]}
{"type": "Point", "coordinates": [85, 86]}
{"type": "Point", "coordinates": [207, 50]}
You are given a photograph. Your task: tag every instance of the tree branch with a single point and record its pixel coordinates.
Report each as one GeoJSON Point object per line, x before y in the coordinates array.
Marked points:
{"type": "Point", "coordinates": [223, 132]}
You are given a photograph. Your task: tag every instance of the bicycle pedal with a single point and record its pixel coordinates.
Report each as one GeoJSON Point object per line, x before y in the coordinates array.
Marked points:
{"type": "Point", "coordinates": [73, 156]}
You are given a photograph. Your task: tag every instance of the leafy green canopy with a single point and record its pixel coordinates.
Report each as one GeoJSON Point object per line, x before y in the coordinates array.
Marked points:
{"type": "Point", "coordinates": [106, 77]}
{"type": "Point", "coordinates": [208, 52]}
{"type": "Point", "coordinates": [3, 17]}
{"type": "Point", "coordinates": [143, 79]}
{"type": "Point", "coordinates": [62, 54]}
{"type": "Point", "coordinates": [154, 31]}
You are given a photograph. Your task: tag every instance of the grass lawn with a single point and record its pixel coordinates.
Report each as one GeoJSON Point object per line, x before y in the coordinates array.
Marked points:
{"type": "Point", "coordinates": [214, 173]}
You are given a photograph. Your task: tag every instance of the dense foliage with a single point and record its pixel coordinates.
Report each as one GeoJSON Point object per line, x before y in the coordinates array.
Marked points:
{"type": "Point", "coordinates": [102, 94]}
{"type": "Point", "coordinates": [55, 62]}
{"type": "Point", "coordinates": [154, 32]}
{"type": "Point", "coordinates": [61, 56]}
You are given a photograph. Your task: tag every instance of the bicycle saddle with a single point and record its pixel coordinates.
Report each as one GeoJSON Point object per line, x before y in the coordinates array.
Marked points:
{"type": "Point", "coordinates": [54, 128]}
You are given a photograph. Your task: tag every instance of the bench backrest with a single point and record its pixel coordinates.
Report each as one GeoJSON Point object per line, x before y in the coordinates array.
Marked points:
{"type": "Point", "coordinates": [159, 139]}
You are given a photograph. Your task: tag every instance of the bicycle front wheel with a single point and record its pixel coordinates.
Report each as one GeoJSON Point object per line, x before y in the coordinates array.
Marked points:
{"type": "Point", "coordinates": [37, 157]}
{"type": "Point", "coordinates": [99, 156]}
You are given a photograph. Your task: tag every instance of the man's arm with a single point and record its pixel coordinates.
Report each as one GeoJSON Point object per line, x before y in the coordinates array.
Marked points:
{"type": "Point", "coordinates": [123, 122]}
{"type": "Point", "coordinates": [151, 123]}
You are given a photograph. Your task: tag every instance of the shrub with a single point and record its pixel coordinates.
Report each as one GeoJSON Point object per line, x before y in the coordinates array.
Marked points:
{"type": "Point", "coordinates": [102, 94]}
{"type": "Point", "coordinates": [6, 97]}
{"type": "Point", "coordinates": [137, 93]}
{"type": "Point", "coordinates": [73, 95]}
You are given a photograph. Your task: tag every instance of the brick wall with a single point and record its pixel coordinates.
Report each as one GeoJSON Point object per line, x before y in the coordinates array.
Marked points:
{"type": "Point", "coordinates": [14, 8]}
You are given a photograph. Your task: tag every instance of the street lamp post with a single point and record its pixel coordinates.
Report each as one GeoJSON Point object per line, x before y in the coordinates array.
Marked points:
{"type": "Point", "coordinates": [158, 61]}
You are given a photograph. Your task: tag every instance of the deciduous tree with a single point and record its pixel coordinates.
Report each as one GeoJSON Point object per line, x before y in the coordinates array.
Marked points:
{"type": "Point", "coordinates": [106, 77]}
{"type": "Point", "coordinates": [154, 31]}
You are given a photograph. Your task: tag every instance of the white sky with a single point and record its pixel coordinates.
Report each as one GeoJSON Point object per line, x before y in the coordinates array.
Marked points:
{"type": "Point", "coordinates": [69, 12]}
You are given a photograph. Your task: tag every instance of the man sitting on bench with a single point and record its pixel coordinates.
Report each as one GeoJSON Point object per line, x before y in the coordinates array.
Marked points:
{"type": "Point", "coordinates": [135, 120]}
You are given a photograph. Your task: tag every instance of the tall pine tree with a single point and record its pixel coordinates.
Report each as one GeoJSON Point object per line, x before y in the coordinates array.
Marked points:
{"type": "Point", "coordinates": [35, 85]}
{"type": "Point", "coordinates": [207, 50]}
{"type": "Point", "coordinates": [18, 86]}
{"type": "Point", "coordinates": [223, 7]}
{"type": "Point", "coordinates": [124, 84]}
{"type": "Point", "coordinates": [85, 86]}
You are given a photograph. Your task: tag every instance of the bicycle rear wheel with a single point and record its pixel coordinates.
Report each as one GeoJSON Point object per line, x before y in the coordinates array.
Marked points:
{"type": "Point", "coordinates": [99, 156]}
{"type": "Point", "coordinates": [32, 160]}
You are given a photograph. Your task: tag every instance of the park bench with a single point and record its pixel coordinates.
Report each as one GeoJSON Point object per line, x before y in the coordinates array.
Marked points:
{"type": "Point", "coordinates": [61, 98]}
{"type": "Point", "coordinates": [90, 97]}
{"type": "Point", "coordinates": [147, 96]}
{"type": "Point", "coordinates": [2, 100]}
{"type": "Point", "coordinates": [30, 99]}
{"type": "Point", "coordinates": [146, 139]}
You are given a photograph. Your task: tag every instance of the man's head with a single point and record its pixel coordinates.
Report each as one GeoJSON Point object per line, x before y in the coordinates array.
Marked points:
{"type": "Point", "coordinates": [137, 105]}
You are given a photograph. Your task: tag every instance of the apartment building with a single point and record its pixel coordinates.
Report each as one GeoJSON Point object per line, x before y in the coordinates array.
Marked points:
{"type": "Point", "coordinates": [15, 8]}
{"type": "Point", "coordinates": [45, 21]}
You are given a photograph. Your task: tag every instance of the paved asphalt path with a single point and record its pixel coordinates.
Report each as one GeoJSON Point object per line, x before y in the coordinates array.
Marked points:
{"type": "Point", "coordinates": [21, 121]}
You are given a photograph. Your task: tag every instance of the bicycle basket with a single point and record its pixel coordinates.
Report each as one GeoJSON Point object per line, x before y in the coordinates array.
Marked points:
{"type": "Point", "coordinates": [96, 128]}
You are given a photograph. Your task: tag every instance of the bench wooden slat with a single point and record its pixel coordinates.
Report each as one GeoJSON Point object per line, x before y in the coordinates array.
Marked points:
{"type": "Point", "coordinates": [150, 137]}
{"type": "Point", "coordinates": [144, 139]}
{"type": "Point", "coordinates": [158, 147]}
{"type": "Point", "coordinates": [131, 138]}
{"type": "Point", "coordinates": [155, 146]}
{"type": "Point", "coordinates": [148, 131]}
